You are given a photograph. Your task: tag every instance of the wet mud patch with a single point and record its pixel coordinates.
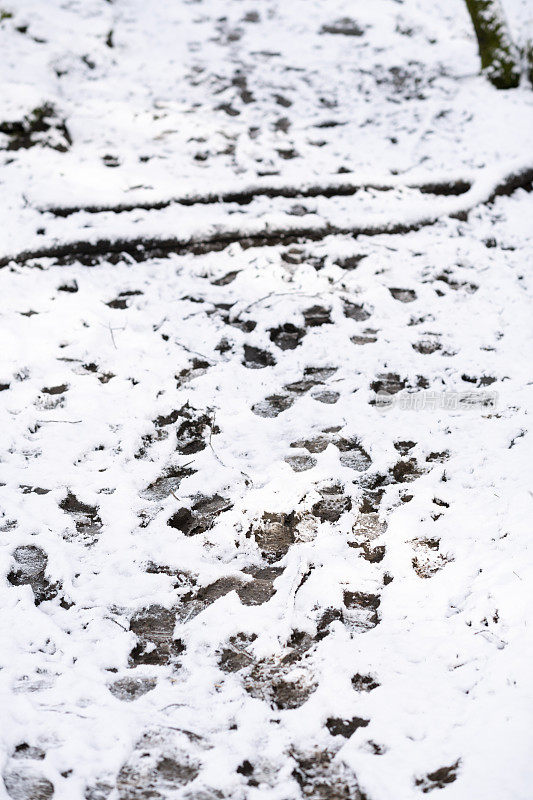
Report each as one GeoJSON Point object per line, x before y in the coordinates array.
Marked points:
{"type": "Point", "coordinates": [362, 609]}
{"type": "Point", "coordinates": [388, 383]}
{"type": "Point", "coordinates": [167, 483]}
{"type": "Point", "coordinates": [332, 505]}
{"type": "Point", "coordinates": [194, 602]}
{"type": "Point", "coordinates": [29, 568]}
{"type": "Point", "coordinates": [300, 255]}
{"type": "Point", "coordinates": [374, 555]}
{"type": "Point", "coordinates": [355, 311]}
{"type": "Point", "coordinates": [254, 587]}
{"type": "Point", "coordinates": [255, 592]}
{"type": "Point", "coordinates": [287, 336]}
{"type": "Point", "coordinates": [154, 629]}
{"type": "Point", "coordinates": [326, 618]}
{"type": "Point", "coordinates": [368, 527]}
{"type": "Point", "coordinates": [129, 689]}
{"type": "Point", "coordinates": [274, 534]}
{"type": "Point", "coordinates": [352, 454]}
{"type": "Point", "coordinates": [236, 655]}
{"type": "Point", "coordinates": [273, 405]}
{"type": "Point", "coordinates": [261, 588]}
{"type": "Point", "coordinates": [345, 26]}
{"type": "Point", "coordinates": [278, 683]}
{"type": "Point", "coordinates": [403, 447]}
{"type": "Point", "coordinates": [155, 770]}
{"type": "Point", "coordinates": [406, 471]}
{"type": "Point", "coordinates": [98, 791]}
{"type": "Point", "coordinates": [484, 380]}
{"type": "Point", "coordinates": [51, 397]}
{"type": "Point", "coordinates": [427, 346]}
{"type": "Point", "coordinates": [446, 277]}
{"type": "Point", "coordinates": [226, 279]}
{"type": "Point", "coordinates": [313, 378]}
{"type": "Point", "coordinates": [23, 781]}
{"type": "Point", "coordinates": [315, 445]}
{"type": "Point", "coordinates": [345, 727]}
{"type": "Point", "coordinates": [349, 262]}
{"type": "Point", "coordinates": [373, 485]}
{"type": "Point", "coordinates": [201, 516]}
{"type": "Point", "coordinates": [315, 316]}
{"type": "Point", "coordinates": [301, 463]}
{"type": "Point", "coordinates": [320, 777]}
{"type": "Point", "coordinates": [60, 389]}
{"type": "Point", "coordinates": [372, 491]}
{"type": "Point", "coordinates": [181, 578]}
{"type": "Point", "coordinates": [284, 681]}
{"type": "Point", "coordinates": [428, 560]}
{"type": "Point", "coordinates": [41, 127]}
{"type": "Point", "coordinates": [197, 368]}
{"type": "Point", "coordinates": [409, 83]}
{"type": "Point", "coordinates": [364, 683]}
{"type": "Point", "coordinates": [193, 431]}
{"type": "Point", "coordinates": [25, 750]}
{"type": "Point", "coordinates": [326, 396]}
{"type": "Point", "coordinates": [438, 457]}
{"type": "Point", "coordinates": [70, 287]}
{"type": "Point", "coordinates": [255, 358]}
{"type": "Point", "coordinates": [224, 346]}
{"type": "Point", "coordinates": [103, 377]}
{"type": "Point", "coordinates": [247, 769]}
{"type": "Point", "coordinates": [368, 336]}
{"type": "Point", "coordinates": [122, 300]}
{"type": "Point", "coordinates": [403, 295]}
{"type": "Point", "coordinates": [88, 523]}
{"type": "Point", "coordinates": [438, 779]}
{"type": "Point", "coordinates": [244, 325]}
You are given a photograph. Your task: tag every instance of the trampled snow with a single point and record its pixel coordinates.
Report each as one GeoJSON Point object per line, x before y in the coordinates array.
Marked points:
{"type": "Point", "coordinates": [265, 483]}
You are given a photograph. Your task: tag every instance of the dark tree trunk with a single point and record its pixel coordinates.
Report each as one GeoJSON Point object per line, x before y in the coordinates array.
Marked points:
{"type": "Point", "coordinates": [500, 59]}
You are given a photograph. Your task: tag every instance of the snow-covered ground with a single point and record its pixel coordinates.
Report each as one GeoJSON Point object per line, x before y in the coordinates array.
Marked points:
{"type": "Point", "coordinates": [265, 464]}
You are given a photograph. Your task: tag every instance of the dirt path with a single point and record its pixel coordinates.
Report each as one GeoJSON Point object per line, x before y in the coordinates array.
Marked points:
{"type": "Point", "coordinates": [264, 394]}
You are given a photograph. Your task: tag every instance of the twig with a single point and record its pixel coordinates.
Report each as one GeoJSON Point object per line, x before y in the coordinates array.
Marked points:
{"type": "Point", "coordinates": [193, 352]}
{"type": "Point", "coordinates": [108, 326]}
{"type": "Point", "coordinates": [64, 421]}
{"type": "Point", "coordinates": [247, 478]}
{"type": "Point", "coordinates": [116, 623]}
{"type": "Point", "coordinates": [279, 294]}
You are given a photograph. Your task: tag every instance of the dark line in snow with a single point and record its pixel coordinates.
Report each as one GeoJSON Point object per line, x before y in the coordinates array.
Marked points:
{"type": "Point", "coordinates": [246, 196]}
{"type": "Point", "coordinates": [141, 248]}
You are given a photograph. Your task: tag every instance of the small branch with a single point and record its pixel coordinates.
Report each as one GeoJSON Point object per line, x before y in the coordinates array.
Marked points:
{"type": "Point", "coordinates": [247, 479]}
{"type": "Point", "coordinates": [62, 421]}
{"type": "Point", "coordinates": [193, 352]}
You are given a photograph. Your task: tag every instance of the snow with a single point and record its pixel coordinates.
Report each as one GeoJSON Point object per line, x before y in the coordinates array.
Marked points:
{"type": "Point", "coordinates": [329, 561]}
